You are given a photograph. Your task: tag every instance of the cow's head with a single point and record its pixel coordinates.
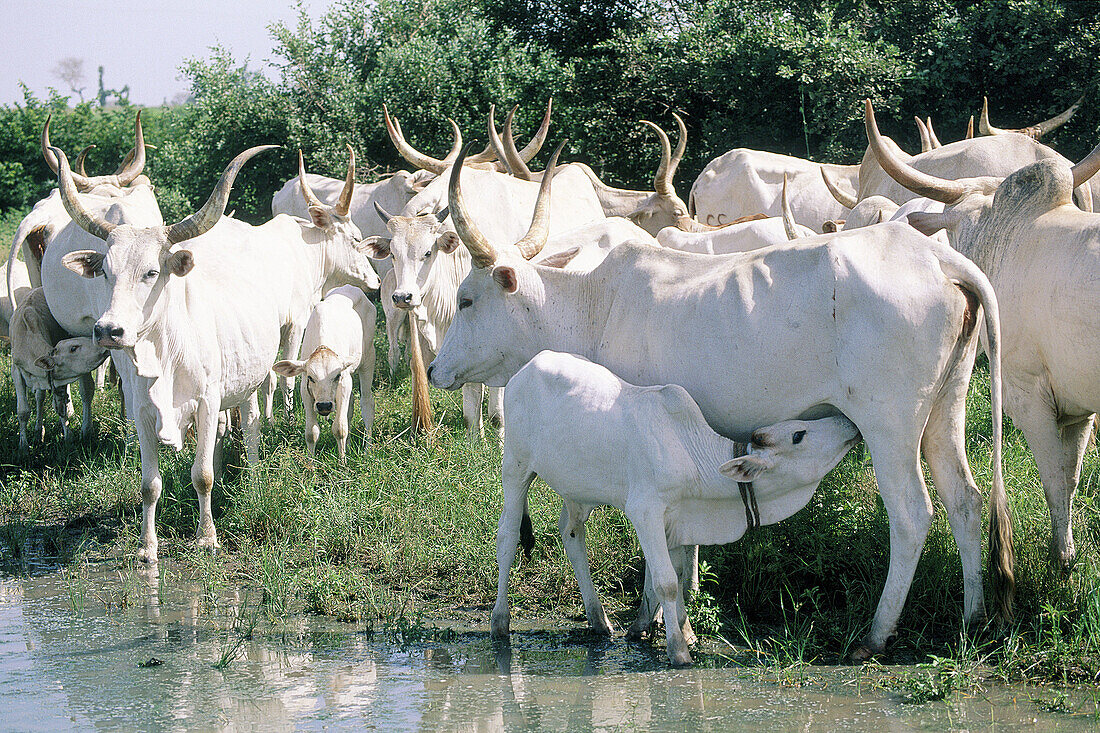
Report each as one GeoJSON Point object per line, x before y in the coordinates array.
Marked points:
{"type": "Point", "coordinates": [663, 208]}
{"type": "Point", "coordinates": [793, 455]}
{"type": "Point", "coordinates": [327, 377]}
{"type": "Point", "coordinates": [70, 358]}
{"type": "Point", "coordinates": [139, 260]}
{"type": "Point", "coordinates": [984, 210]}
{"type": "Point", "coordinates": [415, 243]}
{"type": "Point", "coordinates": [500, 297]}
{"type": "Point", "coordinates": [127, 173]}
{"type": "Point", "coordinates": [340, 236]}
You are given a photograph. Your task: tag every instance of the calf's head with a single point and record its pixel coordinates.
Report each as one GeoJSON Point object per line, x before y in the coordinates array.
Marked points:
{"type": "Point", "coordinates": [139, 260]}
{"type": "Point", "coordinates": [793, 455]}
{"type": "Point", "coordinates": [70, 358]}
{"type": "Point", "coordinates": [326, 377]}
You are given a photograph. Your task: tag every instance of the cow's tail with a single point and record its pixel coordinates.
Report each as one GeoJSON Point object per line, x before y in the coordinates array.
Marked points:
{"type": "Point", "coordinates": [1001, 553]}
{"type": "Point", "coordinates": [422, 406]}
{"type": "Point", "coordinates": [11, 261]}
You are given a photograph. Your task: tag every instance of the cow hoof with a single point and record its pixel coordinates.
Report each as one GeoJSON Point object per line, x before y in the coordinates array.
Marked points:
{"type": "Point", "coordinates": [1063, 562]}
{"type": "Point", "coordinates": [861, 655]}
{"type": "Point", "coordinates": [147, 555]}
{"type": "Point", "coordinates": [210, 544]}
{"type": "Point", "coordinates": [681, 660]}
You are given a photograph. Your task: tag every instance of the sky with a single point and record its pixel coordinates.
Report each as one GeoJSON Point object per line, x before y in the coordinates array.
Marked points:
{"type": "Point", "coordinates": [138, 42]}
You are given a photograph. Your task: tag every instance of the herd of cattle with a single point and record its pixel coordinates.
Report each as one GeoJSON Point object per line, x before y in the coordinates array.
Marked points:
{"type": "Point", "coordinates": [640, 337]}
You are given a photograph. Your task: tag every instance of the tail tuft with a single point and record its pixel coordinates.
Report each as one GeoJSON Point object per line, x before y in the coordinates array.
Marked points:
{"type": "Point", "coordinates": [422, 406]}
{"type": "Point", "coordinates": [526, 535]}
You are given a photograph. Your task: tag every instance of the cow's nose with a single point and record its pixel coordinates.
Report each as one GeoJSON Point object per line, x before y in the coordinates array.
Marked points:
{"type": "Point", "coordinates": [324, 407]}
{"type": "Point", "coordinates": [107, 333]}
{"type": "Point", "coordinates": [402, 298]}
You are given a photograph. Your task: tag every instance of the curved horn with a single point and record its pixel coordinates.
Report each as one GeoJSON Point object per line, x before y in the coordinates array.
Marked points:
{"type": "Point", "coordinates": [80, 159]}
{"type": "Point", "coordinates": [205, 218]}
{"type": "Point", "coordinates": [1057, 121]}
{"type": "Point", "coordinates": [488, 155]}
{"type": "Point", "coordinates": [497, 145]}
{"type": "Point", "coordinates": [681, 144]}
{"type": "Point", "coordinates": [1087, 168]}
{"type": "Point", "coordinates": [481, 251]}
{"type": "Point", "coordinates": [932, 135]}
{"type": "Point", "coordinates": [414, 156]}
{"type": "Point", "coordinates": [133, 169]}
{"type": "Point", "coordinates": [384, 215]}
{"type": "Point", "coordinates": [80, 182]}
{"type": "Point", "coordinates": [343, 206]}
{"type": "Point", "coordinates": [788, 216]}
{"type": "Point", "coordinates": [844, 198]}
{"type": "Point", "coordinates": [86, 220]}
{"type": "Point", "coordinates": [925, 142]}
{"type": "Point", "coordinates": [662, 183]}
{"type": "Point", "coordinates": [970, 128]}
{"type": "Point", "coordinates": [535, 239]}
{"type": "Point", "coordinates": [515, 162]}
{"type": "Point", "coordinates": [937, 189]}
{"type": "Point", "coordinates": [307, 192]}
{"type": "Point", "coordinates": [983, 121]}
{"type": "Point", "coordinates": [531, 149]}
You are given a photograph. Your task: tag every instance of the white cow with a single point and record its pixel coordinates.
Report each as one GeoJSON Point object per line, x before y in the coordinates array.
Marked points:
{"type": "Point", "coordinates": [733, 238]}
{"type": "Point", "coordinates": [744, 182]}
{"type": "Point", "coordinates": [598, 440]}
{"type": "Point", "coordinates": [203, 324]}
{"type": "Point", "coordinates": [339, 339]}
{"type": "Point", "coordinates": [877, 325]}
{"type": "Point", "coordinates": [428, 263]}
{"type": "Point", "coordinates": [1042, 255]}
{"type": "Point", "coordinates": [44, 360]}
{"type": "Point", "coordinates": [18, 285]}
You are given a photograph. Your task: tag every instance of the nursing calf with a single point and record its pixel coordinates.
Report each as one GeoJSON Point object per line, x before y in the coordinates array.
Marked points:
{"type": "Point", "coordinates": [339, 338]}
{"type": "Point", "coordinates": [649, 452]}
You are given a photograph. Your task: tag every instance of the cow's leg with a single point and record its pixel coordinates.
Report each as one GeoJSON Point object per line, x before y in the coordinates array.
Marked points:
{"type": "Point", "coordinates": [516, 480]}
{"type": "Point", "coordinates": [63, 405]}
{"type": "Point", "coordinates": [896, 460]}
{"type": "Point", "coordinates": [649, 522]}
{"type": "Point", "coordinates": [682, 557]}
{"type": "Point", "coordinates": [224, 428]}
{"type": "Point", "coordinates": [87, 394]}
{"type": "Point", "coordinates": [1057, 450]}
{"type": "Point", "coordinates": [313, 431]}
{"type": "Point", "coordinates": [23, 406]}
{"type": "Point", "coordinates": [252, 429]}
{"type": "Point", "coordinates": [944, 446]}
{"type": "Point", "coordinates": [571, 525]}
{"type": "Point", "coordinates": [471, 410]}
{"type": "Point", "coordinates": [340, 422]}
{"type": "Point", "coordinates": [395, 334]}
{"type": "Point", "coordinates": [294, 336]}
{"type": "Point", "coordinates": [268, 389]}
{"type": "Point", "coordinates": [202, 470]}
{"type": "Point", "coordinates": [40, 416]}
{"type": "Point", "coordinates": [148, 445]}
{"type": "Point", "coordinates": [101, 374]}
{"type": "Point", "coordinates": [648, 609]}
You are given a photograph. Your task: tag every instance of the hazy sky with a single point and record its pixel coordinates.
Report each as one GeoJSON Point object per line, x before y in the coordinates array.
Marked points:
{"type": "Point", "coordinates": [138, 42]}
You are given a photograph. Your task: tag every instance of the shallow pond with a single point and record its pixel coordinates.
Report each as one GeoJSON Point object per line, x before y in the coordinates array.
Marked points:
{"type": "Point", "coordinates": [101, 646]}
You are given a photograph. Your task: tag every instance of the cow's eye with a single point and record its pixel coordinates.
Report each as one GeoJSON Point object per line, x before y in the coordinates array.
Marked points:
{"type": "Point", "coordinates": [427, 255]}
{"type": "Point", "coordinates": [309, 379]}
{"type": "Point", "coordinates": [797, 437]}
{"type": "Point", "coordinates": [151, 275]}
{"type": "Point", "coordinates": [464, 303]}
{"type": "Point", "coordinates": [73, 348]}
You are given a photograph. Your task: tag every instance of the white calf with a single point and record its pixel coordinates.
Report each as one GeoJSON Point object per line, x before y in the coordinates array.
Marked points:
{"type": "Point", "coordinates": [598, 440]}
{"type": "Point", "coordinates": [339, 338]}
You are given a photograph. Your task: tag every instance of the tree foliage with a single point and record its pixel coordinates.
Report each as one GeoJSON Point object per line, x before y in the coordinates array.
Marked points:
{"type": "Point", "coordinates": [782, 75]}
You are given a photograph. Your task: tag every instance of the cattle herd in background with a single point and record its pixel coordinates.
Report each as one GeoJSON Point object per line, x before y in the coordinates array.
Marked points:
{"type": "Point", "coordinates": [699, 365]}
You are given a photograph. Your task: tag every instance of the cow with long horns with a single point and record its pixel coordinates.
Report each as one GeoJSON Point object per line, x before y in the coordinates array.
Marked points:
{"type": "Point", "coordinates": [879, 325]}
{"type": "Point", "coordinates": [200, 308]}
{"type": "Point", "coordinates": [1042, 255]}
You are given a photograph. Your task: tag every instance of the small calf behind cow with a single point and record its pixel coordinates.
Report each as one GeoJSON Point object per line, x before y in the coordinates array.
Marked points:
{"type": "Point", "coordinates": [339, 338]}
{"type": "Point", "coordinates": [649, 452]}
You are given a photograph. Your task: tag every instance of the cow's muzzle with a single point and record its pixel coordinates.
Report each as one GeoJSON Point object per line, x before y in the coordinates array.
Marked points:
{"type": "Point", "coordinates": [108, 335]}
{"type": "Point", "coordinates": [404, 300]}
{"type": "Point", "coordinates": [323, 408]}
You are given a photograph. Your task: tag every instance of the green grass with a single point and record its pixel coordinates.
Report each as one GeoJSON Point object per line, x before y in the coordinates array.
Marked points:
{"type": "Point", "coordinates": [406, 530]}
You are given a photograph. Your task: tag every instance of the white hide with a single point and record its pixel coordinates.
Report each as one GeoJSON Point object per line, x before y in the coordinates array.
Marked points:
{"type": "Point", "coordinates": [868, 324]}
{"type": "Point", "coordinates": [649, 452]}
{"type": "Point", "coordinates": [743, 237]}
{"type": "Point", "coordinates": [339, 342]}
{"type": "Point", "coordinates": [744, 182]}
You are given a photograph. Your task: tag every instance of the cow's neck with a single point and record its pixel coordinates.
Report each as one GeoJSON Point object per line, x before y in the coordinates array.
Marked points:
{"type": "Point", "coordinates": [573, 309]}
{"type": "Point", "coordinates": [439, 292]}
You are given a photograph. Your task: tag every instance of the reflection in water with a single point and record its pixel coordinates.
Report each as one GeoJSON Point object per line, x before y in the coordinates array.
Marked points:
{"type": "Point", "coordinates": [66, 662]}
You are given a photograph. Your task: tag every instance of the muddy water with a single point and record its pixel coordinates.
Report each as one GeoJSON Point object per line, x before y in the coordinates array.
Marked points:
{"type": "Point", "coordinates": [73, 642]}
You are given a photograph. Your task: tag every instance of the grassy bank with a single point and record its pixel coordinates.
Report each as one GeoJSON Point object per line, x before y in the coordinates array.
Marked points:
{"type": "Point", "coordinates": [408, 529]}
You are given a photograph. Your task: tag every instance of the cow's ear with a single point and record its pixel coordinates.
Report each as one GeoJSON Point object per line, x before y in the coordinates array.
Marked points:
{"type": "Point", "coordinates": [448, 242]}
{"type": "Point", "coordinates": [505, 277]}
{"type": "Point", "coordinates": [84, 262]}
{"type": "Point", "coordinates": [377, 248]}
{"type": "Point", "coordinates": [180, 262]}
{"type": "Point", "coordinates": [929, 222]}
{"type": "Point", "coordinates": [288, 368]}
{"type": "Point", "coordinates": [745, 468]}
{"type": "Point", "coordinates": [560, 259]}
{"type": "Point", "coordinates": [45, 363]}
{"type": "Point", "coordinates": [321, 216]}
